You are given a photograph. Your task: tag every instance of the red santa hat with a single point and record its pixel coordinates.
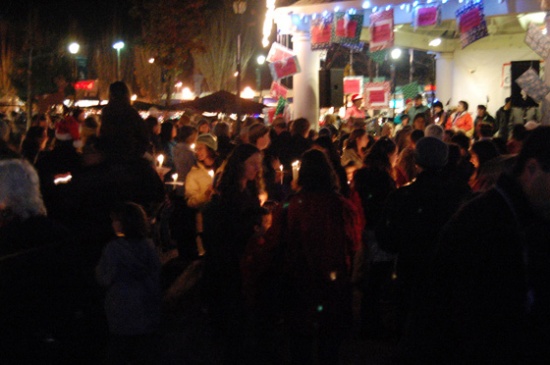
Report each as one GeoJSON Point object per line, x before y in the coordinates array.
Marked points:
{"type": "Point", "coordinates": [356, 97]}
{"type": "Point", "coordinates": [68, 129]}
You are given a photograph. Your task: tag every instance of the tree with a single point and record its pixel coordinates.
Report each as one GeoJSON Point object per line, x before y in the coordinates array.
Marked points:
{"type": "Point", "coordinates": [217, 61]}
{"type": "Point", "coordinates": [6, 62]}
{"type": "Point", "coordinates": [170, 30]}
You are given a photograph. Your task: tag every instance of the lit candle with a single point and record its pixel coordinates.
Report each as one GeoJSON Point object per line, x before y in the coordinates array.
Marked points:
{"type": "Point", "coordinates": [175, 177]}
{"type": "Point", "coordinates": [211, 173]}
{"type": "Point", "coordinates": [282, 175]}
{"type": "Point", "coordinates": [295, 169]}
{"type": "Point", "coordinates": [193, 146]}
{"type": "Point", "coordinates": [160, 159]}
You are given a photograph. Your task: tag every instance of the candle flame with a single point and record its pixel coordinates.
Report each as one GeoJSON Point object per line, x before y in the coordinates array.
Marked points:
{"type": "Point", "coordinates": [175, 177]}
{"type": "Point", "coordinates": [160, 159]}
{"type": "Point", "coordinates": [211, 173]}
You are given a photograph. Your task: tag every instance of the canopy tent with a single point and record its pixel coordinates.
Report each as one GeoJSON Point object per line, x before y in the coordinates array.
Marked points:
{"type": "Point", "coordinates": [222, 102]}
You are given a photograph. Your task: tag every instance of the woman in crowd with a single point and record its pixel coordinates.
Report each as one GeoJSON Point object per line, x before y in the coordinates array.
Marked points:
{"type": "Point", "coordinates": [481, 153]}
{"type": "Point", "coordinates": [228, 225]}
{"type": "Point", "coordinates": [355, 148]}
{"type": "Point", "coordinates": [374, 182]}
{"type": "Point", "coordinates": [320, 232]}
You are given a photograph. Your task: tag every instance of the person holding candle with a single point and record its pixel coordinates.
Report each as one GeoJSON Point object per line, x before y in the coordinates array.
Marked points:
{"type": "Point", "coordinates": [198, 190]}
{"type": "Point", "coordinates": [228, 224]}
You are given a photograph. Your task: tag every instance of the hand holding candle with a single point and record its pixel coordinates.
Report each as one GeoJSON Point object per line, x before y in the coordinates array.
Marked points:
{"type": "Point", "coordinates": [160, 159]}
{"type": "Point", "coordinates": [282, 175]}
{"type": "Point", "coordinates": [295, 169]}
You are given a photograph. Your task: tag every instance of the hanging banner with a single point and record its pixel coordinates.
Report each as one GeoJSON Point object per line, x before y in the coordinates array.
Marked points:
{"type": "Point", "coordinates": [277, 90]}
{"type": "Point", "coordinates": [531, 83]}
{"type": "Point", "coordinates": [471, 23]}
{"type": "Point", "coordinates": [284, 68]}
{"type": "Point", "coordinates": [321, 32]}
{"type": "Point", "coordinates": [377, 95]}
{"type": "Point", "coordinates": [353, 84]}
{"type": "Point", "coordinates": [425, 15]}
{"type": "Point", "coordinates": [381, 30]}
{"type": "Point", "coordinates": [537, 41]}
{"type": "Point", "coordinates": [409, 91]}
{"type": "Point", "coordinates": [278, 52]}
{"type": "Point", "coordinates": [346, 28]}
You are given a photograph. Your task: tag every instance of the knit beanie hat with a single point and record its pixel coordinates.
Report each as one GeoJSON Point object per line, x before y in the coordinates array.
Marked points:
{"type": "Point", "coordinates": [431, 153]}
{"type": "Point", "coordinates": [209, 140]}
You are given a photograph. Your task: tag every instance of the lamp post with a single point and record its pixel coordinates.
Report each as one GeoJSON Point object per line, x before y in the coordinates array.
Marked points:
{"type": "Point", "coordinates": [395, 54]}
{"type": "Point", "coordinates": [73, 49]}
{"type": "Point", "coordinates": [118, 46]}
{"type": "Point", "coordinates": [260, 60]}
{"type": "Point", "coordinates": [239, 7]}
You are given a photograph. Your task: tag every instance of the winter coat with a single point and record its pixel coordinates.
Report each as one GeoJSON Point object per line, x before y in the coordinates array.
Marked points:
{"type": "Point", "coordinates": [475, 306]}
{"type": "Point", "coordinates": [130, 270]}
{"type": "Point", "coordinates": [462, 122]}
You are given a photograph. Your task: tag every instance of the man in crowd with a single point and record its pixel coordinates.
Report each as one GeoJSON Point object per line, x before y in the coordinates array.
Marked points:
{"type": "Point", "coordinates": [419, 108]}
{"type": "Point", "coordinates": [483, 117]}
{"type": "Point", "coordinates": [487, 298]}
{"type": "Point", "coordinates": [503, 119]}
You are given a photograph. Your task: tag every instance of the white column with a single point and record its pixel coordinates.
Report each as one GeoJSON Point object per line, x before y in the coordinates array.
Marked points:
{"type": "Point", "coordinates": [444, 64]}
{"type": "Point", "coordinates": [545, 106]}
{"type": "Point", "coordinates": [305, 84]}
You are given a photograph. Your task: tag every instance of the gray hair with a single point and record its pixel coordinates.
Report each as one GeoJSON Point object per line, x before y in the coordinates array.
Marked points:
{"type": "Point", "coordinates": [20, 189]}
{"type": "Point", "coordinates": [434, 130]}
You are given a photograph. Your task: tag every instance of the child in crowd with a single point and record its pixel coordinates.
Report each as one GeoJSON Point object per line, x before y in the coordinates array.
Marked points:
{"type": "Point", "coordinates": [130, 270]}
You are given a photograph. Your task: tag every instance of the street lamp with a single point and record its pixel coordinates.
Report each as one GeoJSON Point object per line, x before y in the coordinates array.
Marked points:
{"type": "Point", "coordinates": [118, 46]}
{"type": "Point", "coordinates": [260, 60]}
{"type": "Point", "coordinates": [395, 54]}
{"type": "Point", "coordinates": [73, 49]}
{"type": "Point", "coordinates": [239, 8]}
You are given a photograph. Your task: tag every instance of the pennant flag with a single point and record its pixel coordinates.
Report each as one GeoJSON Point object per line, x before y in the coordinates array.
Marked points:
{"type": "Point", "coordinates": [378, 56]}
{"type": "Point", "coordinates": [321, 32]}
{"type": "Point", "coordinates": [381, 30]}
{"type": "Point", "coordinates": [280, 109]}
{"type": "Point", "coordinates": [471, 23]}
{"type": "Point", "coordinates": [278, 52]}
{"type": "Point", "coordinates": [377, 95]}
{"type": "Point", "coordinates": [538, 42]}
{"type": "Point", "coordinates": [532, 85]}
{"type": "Point", "coordinates": [346, 28]}
{"type": "Point", "coordinates": [284, 68]}
{"type": "Point", "coordinates": [425, 15]}
{"type": "Point", "coordinates": [353, 84]}
{"type": "Point", "coordinates": [410, 90]}
{"type": "Point", "coordinates": [277, 90]}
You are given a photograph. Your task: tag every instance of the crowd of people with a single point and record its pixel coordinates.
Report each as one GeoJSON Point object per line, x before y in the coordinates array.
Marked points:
{"type": "Point", "coordinates": [437, 224]}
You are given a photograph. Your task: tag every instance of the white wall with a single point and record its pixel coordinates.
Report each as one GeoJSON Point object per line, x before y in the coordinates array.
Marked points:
{"type": "Point", "coordinates": [478, 70]}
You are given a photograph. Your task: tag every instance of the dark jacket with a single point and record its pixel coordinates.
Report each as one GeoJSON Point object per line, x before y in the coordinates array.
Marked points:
{"type": "Point", "coordinates": [504, 123]}
{"type": "Point", "coordinates": [412, 219]}
{"type": "Point", "coordinates": [474, 308]}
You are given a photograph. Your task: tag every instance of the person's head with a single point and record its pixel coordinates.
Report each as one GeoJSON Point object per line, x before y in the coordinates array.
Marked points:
{"type": "Point", "coordinates": [384, 152]}
{"type": "Point", "coordinates": [153, 125]}
{"type": "Point", "coordinates": [448, 135]}
{"type": "Point", "coordinates": [438, 106]}
{"type": "Point", "coordinates": [39, 120]}
{"type": "Point", "coordinates": [431, 153]}
{"type": "Point", "coordinates": [119, 92]}
{"type": "Point", "coordinates": [186, 134]}
{"type": "Point", "coordinates": [357, 100]}
{"type": "Point", "coordinates": [129, 220]}
{"type": "Point", "coordinates": [463, 141]}
{"type": "Point", "coordinates": [387, 129]}
{"type": "Point", "coordinates": [405, 119]}
{"type": "Point", "coordinates": [486, 130]}
{"type": "Point", "coordinates": [417, 100]}
{"type": "Point", "coordinates": [279, 125]}
{"type": "Point", "coordinates": [241, 170]}
{"type": "Point", "coordinates": [482, 151]}
{"type": "Point", "coordinates": [462, 106]}
{"type": "Point", "coordinates": [300, 127]}
{"type": "Point", "coordinates": [316, 172]}
{"type": "Point", "coordinates": [79, 114]}
{"type": "Point", "coordinates": [222, 129]}
{"type": "Point", "coordinates": [519, 133]}
{"type": "Point", "coordinates": [205, 147]}
{"type": "Point", "coordinates": [416, 134]}
{"type": "Point", "coordinates": [167, 131]}
{"type": "Point", "coordinates": [434, 130]}
{"type": "Point", "coordinates": [20, 195]}
{"type": "Point", "coordinates": [508, 103]}
{"type": "Point", "coordinates": [203, 126]}
{"type": "Point", "coordinates": [481, 110]}
{"type": "Point", "coordinates": [419, 121]}
{"type": "Point", "coordinates": [329, 119]}
{"type": "Point", "coordinates": [357, 140]}
{"type": "Point", "coordinates": [403, 138]}
{"type": "Point", "coordinates": [533, 169]}
{"type": "Point", "coordinates": [258, 135]}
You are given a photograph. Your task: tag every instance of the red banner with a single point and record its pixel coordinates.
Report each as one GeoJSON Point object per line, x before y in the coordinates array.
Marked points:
{"type": "Point", "coordinates": [381, 30]}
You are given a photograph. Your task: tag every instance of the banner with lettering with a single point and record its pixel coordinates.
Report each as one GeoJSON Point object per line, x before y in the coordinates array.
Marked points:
{"type": "Point", "coordinates": [353, 84]}
{"type": "Point", "coordinates": [425, 15]}
{"type": "Point", "coordinates": [471, 23]}
{"type": "Point", "coordinates": [381, 30]}
{"type": "Point", "coordinates": [538, 41]}
{"type": "Point", "coordinates": [321, 32]}
{"type": "Point", "coordinates": [346, 28]}
{"type": "Point", "coordinates": [377, 95]}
